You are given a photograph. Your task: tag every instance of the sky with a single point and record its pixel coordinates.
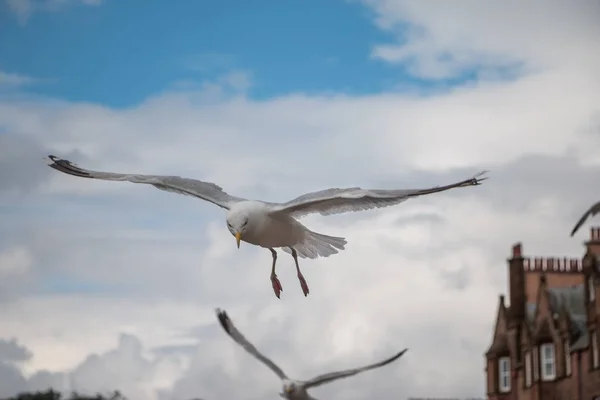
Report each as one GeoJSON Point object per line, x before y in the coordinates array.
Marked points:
{"type": "Point", "coordinates": [109, 285]}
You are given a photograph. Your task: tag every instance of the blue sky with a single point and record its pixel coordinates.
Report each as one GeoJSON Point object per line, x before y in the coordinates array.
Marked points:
{"type": "Point", "coordinates": [119, 53]}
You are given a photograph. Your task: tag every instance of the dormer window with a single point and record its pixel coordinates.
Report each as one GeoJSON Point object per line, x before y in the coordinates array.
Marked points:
{"type": "Point", "coordinates": [504, 374]}
{"type": "Point", "coordinates": [548, 362]}
{"type": "Point", "coordinates": [591, 288]}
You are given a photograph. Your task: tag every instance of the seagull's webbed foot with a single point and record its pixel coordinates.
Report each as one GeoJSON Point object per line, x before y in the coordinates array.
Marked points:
{"type": "Point", "coordinates": [277, 288]}
{"type": "Point", "coordinates": [303, 283]}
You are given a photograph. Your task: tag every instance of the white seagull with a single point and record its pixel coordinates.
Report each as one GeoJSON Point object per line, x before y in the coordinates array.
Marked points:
{"type": "Point", "coordinates": [590, 212]}
{"type": "Point", "coordinates": [273, 225]}
{"type": "Point", "coordinates": [294, 389]}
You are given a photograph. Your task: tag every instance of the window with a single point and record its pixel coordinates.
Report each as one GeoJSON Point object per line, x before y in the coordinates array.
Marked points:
{"type": "Point", "coordinates": [547, 361]}
{"type": "Point", "coordinates": [504, 374]}
{"type": "Point", "coordinates": [591, 288]}
{"type": "Point", "coordinates": [528, 369]}
{"type": "Point", "coordinates": [594, 350]}
{"type": "Point", "coordinates": [567, 358]}
{"type": "Point", "coordinates": [536, 368]}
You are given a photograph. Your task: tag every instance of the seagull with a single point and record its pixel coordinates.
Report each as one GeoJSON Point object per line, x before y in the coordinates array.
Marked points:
{"type": "Point", "coordinates": [294, 389]}
{"type": "Point", "coordinates": [593, 210]}
{"type": "Point", "coordinates": [274, 225]}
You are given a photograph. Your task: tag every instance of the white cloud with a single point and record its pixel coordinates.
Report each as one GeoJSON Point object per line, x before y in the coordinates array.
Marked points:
{"type": "Point", "coordinates": [444, 40]}
{"type": "Point", "coordinates": [25, 8]}
{"type": "Point", "coordinates": [160, 263]}
{"type": "Point", "coordinates": [237, 80]}
{"type": "Point", "coordinates": [11, 79]}
{"type": "Point", "coordinates": [22, 8]}
{"type": "Point", "coordinates": [15, 261]}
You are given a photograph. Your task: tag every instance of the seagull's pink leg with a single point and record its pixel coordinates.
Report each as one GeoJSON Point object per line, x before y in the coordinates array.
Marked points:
{"type": "Point", "coordinates": [303, 283]}
{"type": "Point", "coordinates": [277, 288]}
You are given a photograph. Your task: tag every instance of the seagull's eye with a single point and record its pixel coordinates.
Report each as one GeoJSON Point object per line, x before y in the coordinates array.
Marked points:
{"type": "Point", "coordinates": [245, 222]}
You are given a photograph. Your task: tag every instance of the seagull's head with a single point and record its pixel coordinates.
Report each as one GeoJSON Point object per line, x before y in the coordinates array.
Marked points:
{"type": "Point", "coordinates": [237, 223]}
{"type": "Point", "coordinates": [289, 388]}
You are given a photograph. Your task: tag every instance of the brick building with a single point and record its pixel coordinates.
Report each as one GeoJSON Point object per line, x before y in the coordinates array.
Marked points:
{"type": "Point", "coordinates": [545, 345]}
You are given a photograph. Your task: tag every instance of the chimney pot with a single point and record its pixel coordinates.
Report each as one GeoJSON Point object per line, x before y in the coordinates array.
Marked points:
{"type": "Point", "coordinates": [516, 250]}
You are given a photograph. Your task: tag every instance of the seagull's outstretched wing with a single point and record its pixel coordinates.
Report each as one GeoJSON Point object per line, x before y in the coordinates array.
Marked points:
{"type": "Point", "coordinates": [330, 377]}
{"type": "Point", "coordinates": [593, 210]}
{"type": "Point", "coordinates": [190, 187]}
{"type": "Point", "coordinates": [242, 341]}
{"type": "Point", "coordinates": [336, 201]}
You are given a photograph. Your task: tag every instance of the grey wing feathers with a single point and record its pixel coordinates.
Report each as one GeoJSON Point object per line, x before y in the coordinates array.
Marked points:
{"type": "Point", "coordinates": [190, 187]}
{"type": "Point", "coordinates": [232, 331]}
{"type": "Point", "coordinates": [593, 210]}
{"type": "Point", "coordinates": [336, 201]}
{"type": "Point", "coordinates": [326, 378]}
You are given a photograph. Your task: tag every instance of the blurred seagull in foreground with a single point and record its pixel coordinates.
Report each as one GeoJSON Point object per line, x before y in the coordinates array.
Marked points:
{"type": "Point", "coordinates": [293, 389]}
{"type": "Point", "coordinates": [590, 212]}
{"type": "Point", "coordinates": [274, 225]}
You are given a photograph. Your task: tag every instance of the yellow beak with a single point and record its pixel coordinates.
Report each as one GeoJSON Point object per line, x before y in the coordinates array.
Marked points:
{"type": "Point", "coordinates": [238, 237]}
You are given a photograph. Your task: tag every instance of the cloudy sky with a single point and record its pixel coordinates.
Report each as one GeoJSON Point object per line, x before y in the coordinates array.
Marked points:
{"type": "Point", "coordinates": [107, 285]}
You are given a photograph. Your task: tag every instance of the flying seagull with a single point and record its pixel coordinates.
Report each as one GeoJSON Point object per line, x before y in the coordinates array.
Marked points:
{"type": "Point", "coordinates": [294, 389]}
{"type": "Point", "coordinates": [274, 225]}
{"type": "Point", "coordinates": [593, 210]}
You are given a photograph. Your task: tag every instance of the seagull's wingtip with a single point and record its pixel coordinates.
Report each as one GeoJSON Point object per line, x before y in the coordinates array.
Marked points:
{"type": "Point", "coordinates": [478, 178]}
{"type": "Point", "coordinates": [223, 319]}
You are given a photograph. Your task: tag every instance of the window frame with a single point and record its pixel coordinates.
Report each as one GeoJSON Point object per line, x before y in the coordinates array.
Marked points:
{"type": "Point", "coordinates": [545, 360]}
{"type": "Point", "coordinates": [591, 288]}
{"type": "Point", "coordinates": [536, 364]}
{"type": "Point", "coordinates": [504, 373]}
{"type": "Point", "coordinates": [568, 360]}
{"type": "Point", "coordinates": [528, 369]}
{"type": "Point", "coordinates": [594, 346]}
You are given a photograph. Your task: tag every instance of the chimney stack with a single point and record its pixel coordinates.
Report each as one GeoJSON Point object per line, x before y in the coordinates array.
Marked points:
{"type": "Point", "coordinates": [593, 245]}
{"type": "Point", "coordinates": [516, 284]}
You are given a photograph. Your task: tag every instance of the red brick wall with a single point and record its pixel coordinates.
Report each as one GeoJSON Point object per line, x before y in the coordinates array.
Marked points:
{"type": "Point", "coordinates": [591, 378]}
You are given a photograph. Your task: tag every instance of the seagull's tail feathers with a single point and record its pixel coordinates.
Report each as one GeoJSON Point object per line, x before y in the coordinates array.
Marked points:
{"type": "Point", "coordinates": [318, 245]}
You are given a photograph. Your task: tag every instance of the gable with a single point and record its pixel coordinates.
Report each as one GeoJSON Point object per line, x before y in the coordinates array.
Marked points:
{"type": "Point", "coordinates": [499, 339]}
{"type": "Point", "coordinates": [544, 325]}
